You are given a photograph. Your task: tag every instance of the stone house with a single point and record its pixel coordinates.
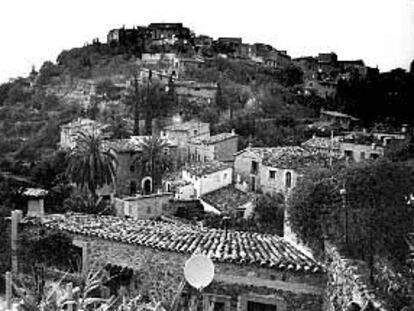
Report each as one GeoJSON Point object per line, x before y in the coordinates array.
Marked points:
{"type": "Point", "coordinates": [131, 178]}
{"type": "Point", "coordinates": [145, 206]}
{"type": "Point", "coordinates": [277, 59]}
{"type": "Point", "coordinates": [181, 133]}
{"type": "Point", "coordinates": [329, 146]}
{"type": "Point", "coordinates": [328, 63]}
{"type": "Point", "coordinates": [229, 45]}
{"type": "Point", "coordinates": [252, 271]}
{"type": "Point", "coordinates": [338, 119]}
{"type": "Point", "coordinates": [273, 170]}
{"type": "Point", "coordinates": [354, 65]}
{"type": "Point", "coordinates": [220, 147]}
{"type": "Point", "coordinates": [309, 66]}
{"type": "Point", "coordinates": [69, 132]}
{"type": "Point", "coordinates": [169, 31]}
{"type": "Point", "coordinates": [361, 146]}
{"type": "Point", "coordinates": [208, 177]}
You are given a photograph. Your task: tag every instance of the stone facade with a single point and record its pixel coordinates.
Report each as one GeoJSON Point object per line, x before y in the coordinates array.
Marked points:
{"type": "Point", "coordinates": [360, 152]}
{"type": "Point", "coordinates": [221, 147]}
{"type": "Point", "coordinates": [157, 274]}
{"type": "Point", "coordinates": [145, 206]}
{"type": "Point", "coordinates": [181, 133]}
{"type": "Point", "coordinates": [251, 174]}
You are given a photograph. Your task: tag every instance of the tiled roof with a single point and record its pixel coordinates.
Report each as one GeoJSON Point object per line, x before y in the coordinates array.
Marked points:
{"type": "Point", "coordinates": [213, 139]}
{"type": "Point", "coordinates": [35, 192]}
{"type": "Point", "coordinates": [200, 169]}
{"type": "Point", "coordinates": [237, 247]}
{"type": "Point", "coordinates": [185, 126]}
{"type": "Point", "coordinates": [337, 114]}
{"type": "Point", "coordinates": [289, 157]}
{"type": "Point", "coordinates": [228, 198]}
{"type": "Point", "coordinates": [322, 143]}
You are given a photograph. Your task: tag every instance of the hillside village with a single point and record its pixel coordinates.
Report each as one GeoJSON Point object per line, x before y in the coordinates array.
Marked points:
{"type": "Point", "coordinates": [127, 157]}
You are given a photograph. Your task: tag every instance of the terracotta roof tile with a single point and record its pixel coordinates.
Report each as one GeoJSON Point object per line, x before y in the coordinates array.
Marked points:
{"type": "Point", "coordinates": [288, 157]}
{"type": "Point", "coordinates": [200, 169]}
{"type": "Point", "coordinates": [237, 247]}
{"type": "Point", "coordinates": [322, 143]}
{"type": "Point", "coordinates": [228, 198]}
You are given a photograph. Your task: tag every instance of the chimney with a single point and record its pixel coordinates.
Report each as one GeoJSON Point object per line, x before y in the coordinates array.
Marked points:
{"type": "Point", "coordinates": [35, 202]}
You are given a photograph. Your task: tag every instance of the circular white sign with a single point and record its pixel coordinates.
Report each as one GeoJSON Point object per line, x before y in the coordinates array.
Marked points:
{"type": "Point", "coordinates": [199, 271]}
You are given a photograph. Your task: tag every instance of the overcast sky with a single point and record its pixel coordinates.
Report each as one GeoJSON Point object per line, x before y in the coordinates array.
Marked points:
{"type": "Point", "coordinates": [379, 31]}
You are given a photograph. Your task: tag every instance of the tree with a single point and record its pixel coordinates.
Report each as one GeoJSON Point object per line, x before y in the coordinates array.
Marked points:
{"type": "Point", "coordinates": [371, 217]}
{"type": "Point", "coordinates": [268, 213]}
{"type": "Point", "coordinates": [90, 165]}
{"type": "Point", "coordinates": [154, 159]}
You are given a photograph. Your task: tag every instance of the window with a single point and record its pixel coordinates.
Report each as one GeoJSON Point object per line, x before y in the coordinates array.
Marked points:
{"type": "Point", "coordinates": [288, 179]}
{"type": "Point", "coordinates": [198, 158]}
{"type": "Point", "coordinates": [251, 302]}
{"type": "Point", "coordinates": [272, 174]}
{"type": "Point", "coordinates": [349, 154]}
{"type": "Point", "coordinates": [148, 209]}
{"type": "Point", "coordinates": [219, 302]}
{"type": "Point", "coordinates": [257, 306]}
{"type": "Point", "coordinates": [132, 168]}
{"type": "Point", "coordinates": [205, 158]}
{"type": "Point", "coordinates": [225, 177]}
{"type": "Point", "coordinates": [195, 132]}
{"type": "Point", "coordinates": [362, 155]}
{"type": "Point", "coordinates": [254, 168]}
{"type": "Point", "coordinates": [374, 156]}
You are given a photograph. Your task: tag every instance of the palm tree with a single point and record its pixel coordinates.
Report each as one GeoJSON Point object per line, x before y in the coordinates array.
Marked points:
{"type": "Point", "coordinates": [154, 159]}
{"type": "Point", "coordinates": [90, 166]}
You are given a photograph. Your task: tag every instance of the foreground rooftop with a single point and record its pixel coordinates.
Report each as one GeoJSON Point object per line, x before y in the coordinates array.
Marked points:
{"type": "Point", "coordinates": [237, 247]}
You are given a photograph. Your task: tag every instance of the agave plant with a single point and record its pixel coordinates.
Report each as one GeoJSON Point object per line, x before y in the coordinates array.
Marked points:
{"type": "Point", "coordinates": [57, 297]}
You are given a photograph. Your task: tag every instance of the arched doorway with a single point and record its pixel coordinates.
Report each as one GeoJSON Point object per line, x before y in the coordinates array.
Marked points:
{"type": "Point", "coordinates": [146, 185]}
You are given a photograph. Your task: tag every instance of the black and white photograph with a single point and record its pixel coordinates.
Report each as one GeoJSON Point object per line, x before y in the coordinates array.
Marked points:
{"type": "Point", "coordinates": [178, 155]}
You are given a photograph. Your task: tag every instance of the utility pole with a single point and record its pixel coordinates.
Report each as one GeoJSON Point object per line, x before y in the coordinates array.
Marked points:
{"type": "Point", "coordinates": [342, 192]}
{"type": "Point", "coordinates": [136, 106]}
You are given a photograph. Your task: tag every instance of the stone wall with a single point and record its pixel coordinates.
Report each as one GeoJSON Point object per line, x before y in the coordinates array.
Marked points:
{"type": "Point", "coordinates": [348, 283]}
{"type": "Point", "coordinates": [157, 274]}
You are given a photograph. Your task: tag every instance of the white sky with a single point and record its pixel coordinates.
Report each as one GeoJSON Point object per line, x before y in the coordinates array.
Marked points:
{"type": "Point", "coordinates": [379, 31]}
